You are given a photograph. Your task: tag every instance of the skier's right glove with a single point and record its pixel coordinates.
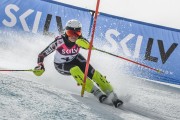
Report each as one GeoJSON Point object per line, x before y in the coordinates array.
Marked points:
{"type": "Point", "coordinates": [39, 70]}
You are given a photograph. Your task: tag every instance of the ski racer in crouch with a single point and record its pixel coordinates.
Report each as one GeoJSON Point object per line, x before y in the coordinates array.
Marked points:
{"type": "Point", "coordinates": [68, 61]}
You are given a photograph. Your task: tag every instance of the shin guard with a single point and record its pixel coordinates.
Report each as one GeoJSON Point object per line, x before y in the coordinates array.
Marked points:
{"type": "Point", "coordinates": [102, 83]}
{"type": "Point", "coordinates": [79, 77]}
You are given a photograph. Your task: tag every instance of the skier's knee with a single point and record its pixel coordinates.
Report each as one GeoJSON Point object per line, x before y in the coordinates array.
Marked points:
{"type": "Point", "coordinates": [79, 77]}
{"type": "Point", "coordinates": [102, 82]}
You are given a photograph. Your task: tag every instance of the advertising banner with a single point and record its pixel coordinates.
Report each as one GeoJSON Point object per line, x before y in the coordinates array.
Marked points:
{"type": "Point", "coordinates": [38, 16]}
{"type": "Point", "coordinates": [152, 45]}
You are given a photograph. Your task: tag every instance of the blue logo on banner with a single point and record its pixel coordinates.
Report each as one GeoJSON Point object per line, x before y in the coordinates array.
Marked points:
{"type": "Point", "coordinates": [40, 16]}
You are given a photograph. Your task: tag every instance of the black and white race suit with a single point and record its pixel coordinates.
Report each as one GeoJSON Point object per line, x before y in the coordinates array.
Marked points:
{"type": "Point", "coordinates": [67, 56]}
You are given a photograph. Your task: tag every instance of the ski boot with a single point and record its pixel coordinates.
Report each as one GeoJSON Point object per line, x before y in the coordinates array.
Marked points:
{"type": "Point", "coordinates": [117, 103]}
{"type": "Point", "coordinates": [115, 100]}
{"type": "Point", "coordinates": [102, 98]}
{"type": "Point", "coordinates": [98, 94]}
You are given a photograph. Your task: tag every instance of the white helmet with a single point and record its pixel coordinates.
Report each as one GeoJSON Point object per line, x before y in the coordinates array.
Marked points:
{"type": "Point", "coordinates": [73, 24]}
{"type": "Point", "coordinates": [73, 28]}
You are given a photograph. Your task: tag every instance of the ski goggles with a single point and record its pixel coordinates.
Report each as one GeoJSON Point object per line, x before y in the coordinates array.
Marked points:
{"type": "Point", "coordinates": [72, 33]}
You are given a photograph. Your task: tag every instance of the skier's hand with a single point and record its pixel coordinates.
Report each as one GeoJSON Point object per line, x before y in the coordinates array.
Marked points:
{"type": "Point", "coordinates": [83, 43]}
{"type": "Point", "coordinates": [39, 70]}
{"type": "Point", "coordinates": [40, 67]}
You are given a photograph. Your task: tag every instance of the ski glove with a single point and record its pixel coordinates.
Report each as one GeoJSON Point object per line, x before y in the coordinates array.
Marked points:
{"type": "Point", "coordinates": [83, 43]}
{"type": "Point", "coordinates": [39, 70]}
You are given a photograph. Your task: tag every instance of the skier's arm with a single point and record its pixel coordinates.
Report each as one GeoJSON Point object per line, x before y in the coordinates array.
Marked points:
{"type": "Point", "coordinates": [48, 50]}
{"type": "Point", "coordinates": [39, 69]}
{"type": "Point", "coordinates": [83, 43]}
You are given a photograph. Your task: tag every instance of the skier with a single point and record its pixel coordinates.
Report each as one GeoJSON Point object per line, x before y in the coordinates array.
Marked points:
{"type": "Point", "coordinates": [68, 61]}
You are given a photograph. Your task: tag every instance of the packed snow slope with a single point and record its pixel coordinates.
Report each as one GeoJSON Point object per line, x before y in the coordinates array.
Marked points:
{"type": "Point", "coordinates": [51, 96]}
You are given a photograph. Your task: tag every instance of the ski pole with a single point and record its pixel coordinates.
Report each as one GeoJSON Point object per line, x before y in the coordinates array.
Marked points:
{"type": "Point", "coordinates": [129, 60]}
{"type": "Point", "coordinates": [85, 44]}
{"type": "Point", "coordinates": [17, 70]}
{"type": "Point", "coordinates": [36, 72]}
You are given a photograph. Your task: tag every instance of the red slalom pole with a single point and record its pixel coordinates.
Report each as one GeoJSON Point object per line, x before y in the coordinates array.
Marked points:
{"type": "Point", "coordinates": [90, 48]}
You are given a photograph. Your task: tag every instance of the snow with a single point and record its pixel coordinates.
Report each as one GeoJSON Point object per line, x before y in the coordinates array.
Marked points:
{"type": "Point", "coordinates": [22, 99]}
{"type": "Point", "coordinates": [25, 96]}
{"type": "Point", "coordinates": [27, 100]}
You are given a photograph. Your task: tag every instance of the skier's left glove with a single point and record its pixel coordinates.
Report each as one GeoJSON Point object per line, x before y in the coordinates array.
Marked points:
{"type": "Point", "coordinates": [39, 70]}
{"type": "Point", "coordinates": [83, 43]}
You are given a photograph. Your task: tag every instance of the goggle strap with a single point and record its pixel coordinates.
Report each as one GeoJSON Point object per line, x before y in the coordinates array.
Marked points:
{"type": "Point", "coordinates": [75, 29]}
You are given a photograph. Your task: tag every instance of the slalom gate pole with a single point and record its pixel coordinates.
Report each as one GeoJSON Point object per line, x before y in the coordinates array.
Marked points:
{"type": "Point", "coordinates": [90, 48]}
{"type": "Point", "coordinates": [129, 60]}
